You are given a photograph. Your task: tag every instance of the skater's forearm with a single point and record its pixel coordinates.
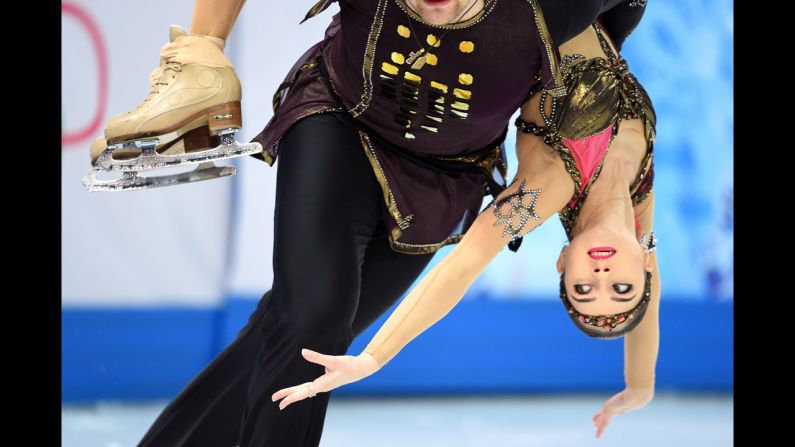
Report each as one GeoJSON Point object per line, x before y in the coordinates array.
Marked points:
{"type": "Point", "coordinates": [433, 298]}
{"type": "Point", "coordinates": [642, 344]}
{"type": "Point", "coordinates": [535, 194]}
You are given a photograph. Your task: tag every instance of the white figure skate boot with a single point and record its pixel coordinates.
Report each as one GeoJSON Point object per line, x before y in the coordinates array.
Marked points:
{"type": "Point", "coordinates": [190, 116]}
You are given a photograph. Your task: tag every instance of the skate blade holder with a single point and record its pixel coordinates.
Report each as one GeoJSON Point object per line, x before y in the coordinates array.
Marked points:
{"type": "Point", "coordinates": [150, 160]}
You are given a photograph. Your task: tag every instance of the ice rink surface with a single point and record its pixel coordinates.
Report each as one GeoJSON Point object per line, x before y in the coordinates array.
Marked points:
{"type": "Point", "coordinates": [671, 420]}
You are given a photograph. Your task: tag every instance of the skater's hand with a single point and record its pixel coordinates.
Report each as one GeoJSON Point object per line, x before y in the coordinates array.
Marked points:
{"type": "Point", "coordinates": [627, 400]}
{"type": "Point", "coordinates": [340, 370]}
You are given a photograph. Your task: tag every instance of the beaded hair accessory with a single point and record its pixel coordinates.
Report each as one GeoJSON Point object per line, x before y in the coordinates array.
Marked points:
{"type": "Point", "coordinates": [609, 322]}
{"type": "Point", "coordinates": [648, 242]}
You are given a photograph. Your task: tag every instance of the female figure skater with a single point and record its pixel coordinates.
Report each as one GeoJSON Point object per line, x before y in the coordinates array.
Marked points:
{"type": "Point", "coordinates": [589, 157]}
{"type": "Point", "coordinates": [389, 132]}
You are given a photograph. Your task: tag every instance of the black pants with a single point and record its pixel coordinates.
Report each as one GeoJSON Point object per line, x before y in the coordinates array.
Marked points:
{"type": "Point", "coordinates": [334, 275]}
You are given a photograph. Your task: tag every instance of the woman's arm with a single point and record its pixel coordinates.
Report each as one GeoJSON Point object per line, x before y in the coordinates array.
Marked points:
{"type": "Point", "coordinates": [539, 190]}
{"type": "Point", "coordinates": [640, 345]}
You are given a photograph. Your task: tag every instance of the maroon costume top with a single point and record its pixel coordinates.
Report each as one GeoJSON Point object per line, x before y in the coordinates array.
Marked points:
{"type": "Point", "coordinates": [433, 134]}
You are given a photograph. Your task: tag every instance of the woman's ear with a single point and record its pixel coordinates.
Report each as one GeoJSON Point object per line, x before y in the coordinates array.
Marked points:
{"type": "Point", "coordinates": [648, 262]}
{"type": "Point", "coordinates": [562, 258]}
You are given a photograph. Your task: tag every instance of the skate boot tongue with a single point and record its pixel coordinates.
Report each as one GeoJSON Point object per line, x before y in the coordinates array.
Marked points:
{"type": "Point", "coordinates": [156, 78]}
{"type": "Point", "coordinates": [175, 31]}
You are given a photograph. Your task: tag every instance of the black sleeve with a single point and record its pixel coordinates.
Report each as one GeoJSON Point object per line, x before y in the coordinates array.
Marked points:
{"type": "Point", "coordinates": [568, 18]}
{"type": "Point", "coordinates": [620, 20]}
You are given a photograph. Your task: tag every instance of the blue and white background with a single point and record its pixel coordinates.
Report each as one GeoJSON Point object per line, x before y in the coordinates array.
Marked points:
{"type": "Point", "coordinates": [156, 283]}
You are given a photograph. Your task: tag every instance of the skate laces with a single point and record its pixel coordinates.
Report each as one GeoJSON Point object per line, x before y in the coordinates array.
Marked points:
{"type": "Point", "coordinates": [187, 49]}
{"type": "Point", "coordinates": [159, 76]}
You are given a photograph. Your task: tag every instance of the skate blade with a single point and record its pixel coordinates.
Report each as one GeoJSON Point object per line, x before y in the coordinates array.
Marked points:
{"type": "Point", "coordinates": [132, 181]}
{"type": "Point", "coordinates": [150, 159]}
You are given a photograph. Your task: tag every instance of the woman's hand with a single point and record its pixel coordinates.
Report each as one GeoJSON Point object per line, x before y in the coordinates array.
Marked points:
{"type": "Point", "coordinates": [340, 370]}
{"type": "Point", "coordinates": [627, 400]}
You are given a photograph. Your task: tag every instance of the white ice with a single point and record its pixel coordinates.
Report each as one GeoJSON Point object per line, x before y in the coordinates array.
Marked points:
{"type": "Point", "coordinates": [480, 421]}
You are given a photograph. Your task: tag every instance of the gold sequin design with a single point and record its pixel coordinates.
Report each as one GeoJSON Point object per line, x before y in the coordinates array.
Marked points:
{"type": "Point", "coordinates": [389, 68]}
{"type": "Point", "coordinates": [369, 56]}
{"type": "Point", "coordinates": [439, 86]}
{"type": "Point", "coordinates": [404, 88]}
{"type": "Point", "coordinates": [433, 41]}
{"type": "Point", "coordinates": [398, 58]}
{"type": "Point", "coordinates": [460, 105]}
{"type": "Point", "coordinates": [462, 94]}
{"type": "Point", "coordinates": [458, 114]}
{"type": "Point", "coordinates": [459, 108]}
{"type": "Point", "coordinates": [411, 77]}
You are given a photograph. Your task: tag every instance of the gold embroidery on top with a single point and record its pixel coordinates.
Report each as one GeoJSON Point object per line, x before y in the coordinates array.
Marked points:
{"type": "Point", "coordinates": [439, 86]}
{"type": "Point", "coordinates": [389, 68]}
{"type": "Point", "coordinates": [411, 77]}
{"type": "Point", "coordinates": [369, 55]}
{"type": "Point", "coordinates": [398, 58]}
{"type": "Point", "coordinates": [466, 46]}
{"type": "Point", "coordinates": [460, 105]}
{"type": "Point", "coordinates": [462, 94]}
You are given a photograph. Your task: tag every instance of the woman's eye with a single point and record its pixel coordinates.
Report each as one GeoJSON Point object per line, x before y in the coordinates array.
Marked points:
{"type": "Point", "coordinates": [582, 288]}
{"type": "Point", "coordinates": [622, 288]}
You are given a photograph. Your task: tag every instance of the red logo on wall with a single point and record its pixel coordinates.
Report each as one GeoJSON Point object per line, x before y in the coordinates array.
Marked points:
{"type": "Point", "coordinates": [93, 127]}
